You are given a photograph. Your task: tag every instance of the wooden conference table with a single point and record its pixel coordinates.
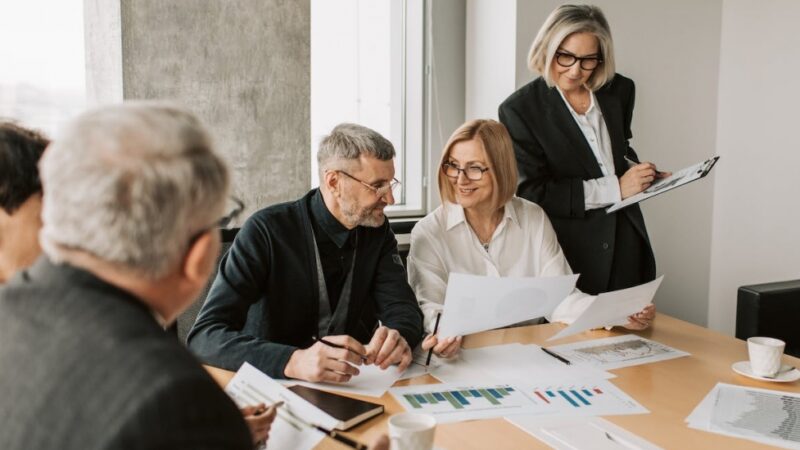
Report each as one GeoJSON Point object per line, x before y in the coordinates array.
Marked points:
{"type": "Point", "coordinates": [669, 389]}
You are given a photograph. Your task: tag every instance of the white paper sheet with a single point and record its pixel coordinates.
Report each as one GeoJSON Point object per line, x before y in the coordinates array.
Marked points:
{"type": "Point", "coordinates": [616, 352]}
{"type": "Point", "coordinates": [457, 402]}
{"type": "Point", "coordinates": [584, 398]}
{"type": "Point", "coordinates": [580, 433]}
{"type": "Point", "coordinates": [372, 382]}
{"type": "Point", "coordinates": [612, 308]}
{"type": "Point", "coordinates": [250, 387]}
{"type": "Point", "coordinates": [760, 415]}
{"type": "Point", "coordinates": [452, 402]}
{"type": "Point", "coordinates": [513, 364]}
{"type": "Point", "coordinates": [475, 303]}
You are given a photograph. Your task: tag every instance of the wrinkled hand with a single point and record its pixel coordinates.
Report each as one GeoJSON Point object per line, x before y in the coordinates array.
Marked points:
{"type": "Point", "coordinates": [643, 319]}
{"type": "Point", "coordinates": [259, 420]}
{"type": "Point", "coordinates": [638, 178]}
{"type": "Point", "coordinates": [321, 362]}
{"type": "Point", "coordinates": [388, 347]}
{"type": "Point", "coordinates": [447, 348]}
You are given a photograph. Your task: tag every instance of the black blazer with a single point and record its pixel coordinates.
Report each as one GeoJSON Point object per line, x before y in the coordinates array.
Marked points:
{"type": "Point", "coordinates": [554, 159]}
{"type": "Point", "coordinates": [86, 366]}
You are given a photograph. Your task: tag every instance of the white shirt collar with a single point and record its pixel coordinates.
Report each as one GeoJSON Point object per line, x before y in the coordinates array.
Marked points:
{"type": "Point", "coordinates": [455, 214]}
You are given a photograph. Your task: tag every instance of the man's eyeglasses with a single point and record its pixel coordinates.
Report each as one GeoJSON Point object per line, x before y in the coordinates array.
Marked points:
{"type": "Point", "coordinates": [223, 222]}
{"type": "Point", "coordinates": [587, 62]}
{"type": "Point", "coordinates": [379, 191]}
{"type": "Point", "coordinates": [474, 173]}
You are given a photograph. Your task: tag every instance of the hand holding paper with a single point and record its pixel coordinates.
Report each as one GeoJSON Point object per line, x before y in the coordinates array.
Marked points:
{"type": "Point", "coordinates": [475, 303]}
{"type": "Point", "coordinates": [612, 308]}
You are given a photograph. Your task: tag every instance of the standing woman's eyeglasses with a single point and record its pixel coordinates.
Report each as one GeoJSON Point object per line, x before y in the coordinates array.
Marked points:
{"type": "Point", "coordinates": [587, 62]}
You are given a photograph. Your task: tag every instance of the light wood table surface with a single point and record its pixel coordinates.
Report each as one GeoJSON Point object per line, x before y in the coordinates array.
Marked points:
{"type": "Point", "coordinates": [669, 389]}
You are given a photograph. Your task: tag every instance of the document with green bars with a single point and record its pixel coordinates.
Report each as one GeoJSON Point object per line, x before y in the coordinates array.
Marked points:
{"type": "Point", "coordinates": [450, 402]}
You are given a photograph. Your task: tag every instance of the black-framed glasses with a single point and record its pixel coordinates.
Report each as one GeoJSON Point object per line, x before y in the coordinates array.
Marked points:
{"type": "Point", "coordinates": [586, 62]}
{"type": "Point", "coordinates": [474, 173]}
{"type": "Point", "coordinates": [379, 191]}
{"type": "Point", "coordinates": [222, 222]}
{"type": "Point", "coordinates": [231, 216]}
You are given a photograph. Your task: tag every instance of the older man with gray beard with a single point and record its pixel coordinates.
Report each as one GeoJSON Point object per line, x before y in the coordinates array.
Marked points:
{"type": "Point", "coordinates": [325, 266]}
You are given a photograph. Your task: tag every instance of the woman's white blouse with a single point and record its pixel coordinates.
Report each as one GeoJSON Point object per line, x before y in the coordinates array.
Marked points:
{"type": "Point", "coordinates": [523, 245]}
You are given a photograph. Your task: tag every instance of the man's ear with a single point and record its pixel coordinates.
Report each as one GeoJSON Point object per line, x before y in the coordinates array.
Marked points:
{"type": "Point", "coordinates": [200, 257]}
{"type": "Point", "coordinates": [331, 182]}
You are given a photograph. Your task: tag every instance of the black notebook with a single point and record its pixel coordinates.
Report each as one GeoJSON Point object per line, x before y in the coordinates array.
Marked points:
{"type": "Point", "coordinates": [348, 411]}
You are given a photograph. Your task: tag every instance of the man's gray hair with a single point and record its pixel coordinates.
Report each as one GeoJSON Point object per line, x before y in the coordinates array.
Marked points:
{"type": "Point", "coordinates": [131, 184]}
{"type": "Point", "coordinates": [347, 142]}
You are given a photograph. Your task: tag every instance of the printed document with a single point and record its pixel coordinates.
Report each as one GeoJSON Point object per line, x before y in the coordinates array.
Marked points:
{"type": "Point", "coordinates": [616, 352]}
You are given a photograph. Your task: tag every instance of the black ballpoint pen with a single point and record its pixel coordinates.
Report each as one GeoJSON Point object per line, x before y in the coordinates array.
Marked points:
{"type": "Point", "coordinates": [435, 329]}
{"type": "Point", "coordinates": [342, 438]}
{"type": "Point", "coordinates": [331, 344]}
{"type": "Point", "coordinates": [558, 357]}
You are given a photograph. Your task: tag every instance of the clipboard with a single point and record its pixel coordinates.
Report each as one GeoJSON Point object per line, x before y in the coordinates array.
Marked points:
{"type": "Point", "coordinates": [676, 180]}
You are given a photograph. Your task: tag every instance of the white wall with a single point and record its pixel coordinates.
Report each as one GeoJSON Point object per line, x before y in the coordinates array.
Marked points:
{"type": "Point", "coordinates": [490, 56]}
{"type": "Point", "coordinates": [756, 234]}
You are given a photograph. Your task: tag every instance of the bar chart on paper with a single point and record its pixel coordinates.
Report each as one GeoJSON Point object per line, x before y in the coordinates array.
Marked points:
{"type": "Point", "coordinates": [451, 402]}
{"type": "Point", "coordinates": [593, 399]}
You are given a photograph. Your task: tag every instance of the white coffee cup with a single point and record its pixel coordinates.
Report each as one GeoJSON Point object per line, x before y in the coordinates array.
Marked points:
{"type": "Point", "coordinates": [765, 355]}
{"type": "Point", "coordinates": [412, 431]}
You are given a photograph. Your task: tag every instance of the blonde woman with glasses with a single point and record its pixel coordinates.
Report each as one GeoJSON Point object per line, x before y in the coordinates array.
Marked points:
{"type": "Point", "coordinates": [483, 229]}
{"type": "Point", "coordinates": [571, 129]}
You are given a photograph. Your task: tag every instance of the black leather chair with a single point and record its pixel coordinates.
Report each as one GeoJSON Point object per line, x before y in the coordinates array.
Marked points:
{"type": "Point", "coordinates": [186, 320]}
{"type": "Point", "coordinates": [770, 309]}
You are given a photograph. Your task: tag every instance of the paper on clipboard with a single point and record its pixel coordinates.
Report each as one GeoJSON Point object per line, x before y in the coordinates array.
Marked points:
{"type": "Point", "coordinates": [673, 181]}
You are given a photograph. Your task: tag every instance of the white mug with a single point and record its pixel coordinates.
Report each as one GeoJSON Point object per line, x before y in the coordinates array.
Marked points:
{"type": "Point", "coordinates": [765, 355]}
{"type": "Point", "coordinates": [412, 431]}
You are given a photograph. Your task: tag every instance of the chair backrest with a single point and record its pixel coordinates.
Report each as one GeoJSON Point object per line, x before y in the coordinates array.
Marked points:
{"type": "Point", "coordinates": [186, 320]}
{"type": "Point", "coordinates": [770, 309]}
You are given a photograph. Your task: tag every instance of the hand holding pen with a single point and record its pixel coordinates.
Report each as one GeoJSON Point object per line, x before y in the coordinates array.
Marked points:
{"type": "Point", "coordinates": [332, 359]}
{"type": "Point", "coordinates": [259, 419]}
{"type": "Point", "coordinates": [447, 348]}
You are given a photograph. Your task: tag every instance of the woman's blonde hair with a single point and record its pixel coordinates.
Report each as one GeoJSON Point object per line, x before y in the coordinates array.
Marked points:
{"type": "Point", "coordinates": [566, 20]}
{"type": "Point", "coordinates": [496, 143]}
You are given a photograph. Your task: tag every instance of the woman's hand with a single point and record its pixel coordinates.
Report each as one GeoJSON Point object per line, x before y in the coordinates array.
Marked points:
{"type": "Point", "coordinates": [447, 348]}
{"type": "Point", "coordinates": [643, 319]}
{"type": "Point", "coordinates": [639, 178]}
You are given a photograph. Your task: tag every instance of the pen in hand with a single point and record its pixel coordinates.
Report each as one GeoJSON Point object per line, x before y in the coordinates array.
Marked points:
{"type": "Point", "coordinates": [334, 345]}
{"type": "Point", "coordinates": [435, 329]}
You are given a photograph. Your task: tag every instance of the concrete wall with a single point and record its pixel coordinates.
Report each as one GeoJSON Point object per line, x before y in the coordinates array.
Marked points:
{"type": "Point", "coordinates": [756, 211]}
{"type": "Point", "coordinates": [242, 66]}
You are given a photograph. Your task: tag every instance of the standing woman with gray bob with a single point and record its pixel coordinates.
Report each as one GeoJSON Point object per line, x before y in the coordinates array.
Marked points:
{"type": "Point", "coordinates": [571, 129]}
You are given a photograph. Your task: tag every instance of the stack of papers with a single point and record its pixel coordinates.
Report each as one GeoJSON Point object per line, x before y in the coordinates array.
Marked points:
{"type": "Point", "coordinates": [616, 352]}
{"type": "Point", "coordinates": [760, 415]}
{"type": "Point", "coordinates": [371, 382]}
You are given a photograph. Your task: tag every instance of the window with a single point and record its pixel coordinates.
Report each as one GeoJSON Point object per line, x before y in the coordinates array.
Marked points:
{"type": "Point", "coordinates": [42, 81]}
{"type": "Point", "coordinates": [367, 68]}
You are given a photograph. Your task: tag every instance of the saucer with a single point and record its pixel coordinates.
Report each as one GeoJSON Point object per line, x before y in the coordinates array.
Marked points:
{"type": "Point", "coordinates": [743, 368]}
